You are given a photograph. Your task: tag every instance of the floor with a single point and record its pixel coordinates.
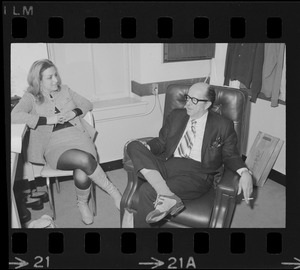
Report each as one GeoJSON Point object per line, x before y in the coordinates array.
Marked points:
{"type": "Point", "coordinates": [267, 210]}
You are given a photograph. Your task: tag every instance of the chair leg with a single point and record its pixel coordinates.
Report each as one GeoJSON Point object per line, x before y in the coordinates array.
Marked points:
{"type": "Point", "coordinates": [57, 185]}
{"type": "Point", "coordinates": [51, 201]}
{"type": "Point", "coordinates": [93, 198]}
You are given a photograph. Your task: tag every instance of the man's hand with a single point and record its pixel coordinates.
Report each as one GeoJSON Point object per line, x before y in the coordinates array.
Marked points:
{"type": "Point", "coordinates": [69, 116]}
{"type": "Point", "coordinates": [246, 185]}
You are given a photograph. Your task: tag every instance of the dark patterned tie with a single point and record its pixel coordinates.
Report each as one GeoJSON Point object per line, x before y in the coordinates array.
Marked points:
{"type": "Point", "coordinates": [185, 147]}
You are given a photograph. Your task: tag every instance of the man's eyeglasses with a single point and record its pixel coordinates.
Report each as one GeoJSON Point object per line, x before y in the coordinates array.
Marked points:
{"type": "Point", "coordinates": [194, 100]}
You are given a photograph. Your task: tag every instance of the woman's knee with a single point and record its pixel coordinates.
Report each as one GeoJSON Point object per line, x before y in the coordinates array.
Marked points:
{"type": "Point", "coordinates": [87, 163]}
{"type": "Point", "coordinates": [81, 179]}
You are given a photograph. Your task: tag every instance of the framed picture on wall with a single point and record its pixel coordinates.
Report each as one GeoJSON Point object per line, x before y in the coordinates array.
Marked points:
{"type": "Point", "coordinates": [174, 52]}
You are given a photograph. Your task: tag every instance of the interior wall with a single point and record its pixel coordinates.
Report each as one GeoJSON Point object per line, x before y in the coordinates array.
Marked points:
{"type": "Point", "coordinates": [218, 64]}
{"type": "Point", "coordinates": [114, 134]}
{"type": "Point", "coordinates": [75, 66]}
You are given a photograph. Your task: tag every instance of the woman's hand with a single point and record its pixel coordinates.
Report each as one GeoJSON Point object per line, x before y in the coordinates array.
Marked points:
{"type": "Point", "coordinates": [55, 119]}
{"type": "Point", "coordinates": [69, 116]}
{"type": "Point", "coordinates": [60, 118]}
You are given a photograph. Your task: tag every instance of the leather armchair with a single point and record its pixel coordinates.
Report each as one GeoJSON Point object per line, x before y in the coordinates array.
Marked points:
{"type": "Point", "coordinates": [216, 207]}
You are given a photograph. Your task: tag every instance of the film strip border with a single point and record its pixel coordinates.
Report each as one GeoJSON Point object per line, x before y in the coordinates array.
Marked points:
{"type": "Point", "coordinates": [144, 249]}
{"type": "Point", "coordinates": [135, 21]}
{"type": "Point", "coordinates": [128, 27]}
{"type": "Point", "coordinates": [165, 240]}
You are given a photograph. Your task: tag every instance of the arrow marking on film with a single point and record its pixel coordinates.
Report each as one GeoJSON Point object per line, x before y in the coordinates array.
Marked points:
{"type": "Point", "coordinates": [297, 264]}
{"type": "Point", "coordinates": [157, 263]}
{"type": "Point", "coordinates": [20, 263]}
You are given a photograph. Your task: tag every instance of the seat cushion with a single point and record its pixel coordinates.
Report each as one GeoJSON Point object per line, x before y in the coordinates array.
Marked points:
{"type": "Point", "coordinates": [197, 213]}
{"type": "Point", "coordinates": [47, 171]}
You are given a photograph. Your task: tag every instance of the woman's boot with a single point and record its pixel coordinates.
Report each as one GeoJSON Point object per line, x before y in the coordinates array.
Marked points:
{"type": "Point", "coordinates": [82, 203]}
{"type": "Point", "coordinates": [101, 180]}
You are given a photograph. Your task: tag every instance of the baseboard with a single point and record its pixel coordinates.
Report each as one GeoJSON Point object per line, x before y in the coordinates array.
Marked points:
{"type": "Point", "coordinates": [274, 175]}
{"type": "Point", "coordinates": [112, 165]}
{"type": "Point", "coordinates": [277, 177]}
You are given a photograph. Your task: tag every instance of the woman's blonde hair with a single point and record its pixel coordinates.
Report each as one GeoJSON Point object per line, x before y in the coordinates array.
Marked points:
{"type": "Point", "coordinates": [35, 76]}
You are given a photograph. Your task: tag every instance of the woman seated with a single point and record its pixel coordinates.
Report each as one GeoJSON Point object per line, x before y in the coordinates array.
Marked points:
{"type": "Point", "coordinates": [59, 136]}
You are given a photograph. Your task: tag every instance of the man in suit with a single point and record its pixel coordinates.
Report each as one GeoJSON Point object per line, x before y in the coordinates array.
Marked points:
{"type": "Point", "coordinates": [180, 164]}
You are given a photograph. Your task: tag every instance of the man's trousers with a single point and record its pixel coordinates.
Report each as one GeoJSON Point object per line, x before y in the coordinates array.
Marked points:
{"type": "Point", "coordinates": [183, 177]}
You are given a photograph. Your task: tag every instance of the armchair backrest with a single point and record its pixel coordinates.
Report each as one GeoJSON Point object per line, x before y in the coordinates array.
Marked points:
{"type": "Point", "coordinates": [230, 102]}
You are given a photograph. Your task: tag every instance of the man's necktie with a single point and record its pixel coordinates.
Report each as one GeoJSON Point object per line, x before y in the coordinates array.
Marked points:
{"type": "Point", "coordinates": [185, 147]}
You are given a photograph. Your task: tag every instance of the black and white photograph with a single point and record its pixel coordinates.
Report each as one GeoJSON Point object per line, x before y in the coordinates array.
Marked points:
{"type": "Point", "coordinates": [148, 135]}
{"type": "Point", "coordinates": [151, 135]}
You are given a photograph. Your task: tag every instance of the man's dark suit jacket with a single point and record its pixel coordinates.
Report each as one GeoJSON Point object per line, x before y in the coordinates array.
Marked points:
{"type": "Point", "coordinates": [219, 141]}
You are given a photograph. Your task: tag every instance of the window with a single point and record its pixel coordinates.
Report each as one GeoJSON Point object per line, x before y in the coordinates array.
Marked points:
{"type": "Point", "coordinates": [99, 71]}
{"type": "Point", "coordinates": [22, 56]}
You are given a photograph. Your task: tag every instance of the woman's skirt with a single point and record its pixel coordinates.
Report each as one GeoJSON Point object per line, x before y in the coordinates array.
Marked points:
{"type": "Point", "coordinates": [66, 139]}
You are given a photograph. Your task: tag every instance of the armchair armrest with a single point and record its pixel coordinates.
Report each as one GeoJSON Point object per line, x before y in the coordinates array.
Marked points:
{"type": "Point", "coordinates": [133, 182]}
{"type": "Point", "coordinates": [229, 182]}
{"type": "Point", "coordinates": [225, 200]}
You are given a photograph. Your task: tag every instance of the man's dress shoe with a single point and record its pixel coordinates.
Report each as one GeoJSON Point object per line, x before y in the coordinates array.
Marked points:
{"type": "Point", "coordinates": [164, 205]}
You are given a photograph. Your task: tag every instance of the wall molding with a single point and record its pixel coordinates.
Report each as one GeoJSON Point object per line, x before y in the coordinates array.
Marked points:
{"type": "Point", "coordinates": [145, 89]}
{"type": "Point", "coordinates": [115, 109]}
